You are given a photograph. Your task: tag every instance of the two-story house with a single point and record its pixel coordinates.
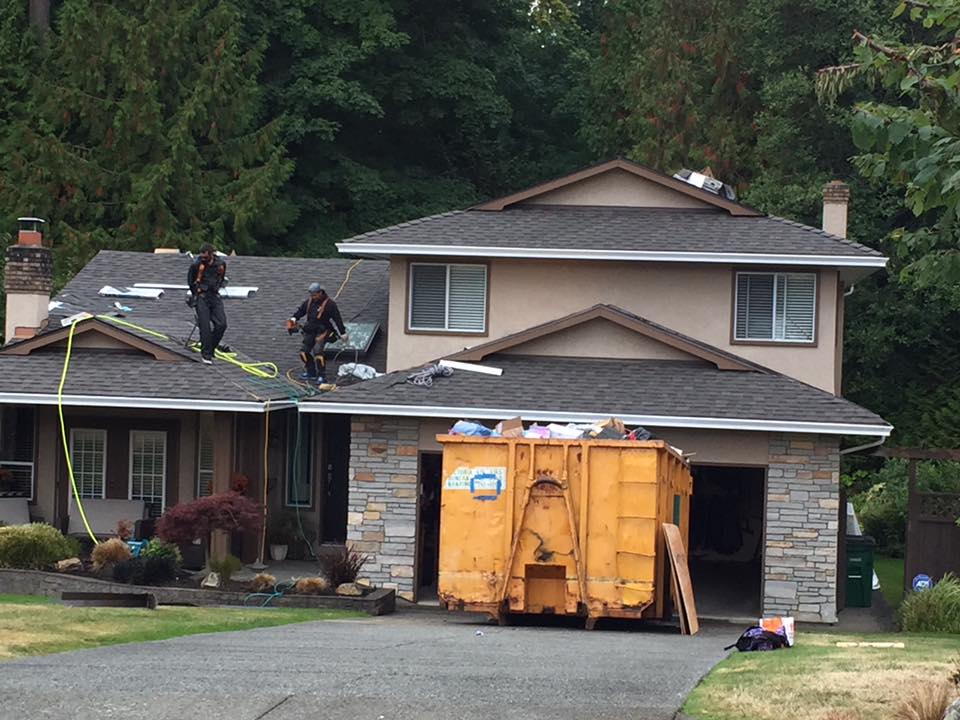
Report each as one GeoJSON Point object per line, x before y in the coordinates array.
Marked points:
{"type": "Point", "coordinates": [619, 291]}
{"type": "Point", "coordinates": [616, 291]}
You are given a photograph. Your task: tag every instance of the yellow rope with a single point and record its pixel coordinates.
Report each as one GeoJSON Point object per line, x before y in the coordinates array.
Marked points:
{"type": "Point", "coordinates": [63, 434]}
{"type": "Point", "coordinates": [346, 278]}
{"type": "Point", "coordinates": [264, 370]}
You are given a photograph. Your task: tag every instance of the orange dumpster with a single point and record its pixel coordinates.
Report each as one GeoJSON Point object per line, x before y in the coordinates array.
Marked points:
{"type": "Point", "coordinates": [568, 527]}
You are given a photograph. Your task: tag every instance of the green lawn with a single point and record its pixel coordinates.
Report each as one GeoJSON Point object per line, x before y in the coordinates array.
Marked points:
{"type": "Point", "coordinates": [816, 680]}
{"type": "Point", "coordinates": [890, 572]}
{"type": "Point", "coordinates": [39, 626]}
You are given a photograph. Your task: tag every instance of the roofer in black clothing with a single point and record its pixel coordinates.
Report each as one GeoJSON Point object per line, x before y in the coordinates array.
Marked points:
{"type": "Point", "coordinates": [322, 324]}
{"type": "Point", "coordinates": [206, 276]}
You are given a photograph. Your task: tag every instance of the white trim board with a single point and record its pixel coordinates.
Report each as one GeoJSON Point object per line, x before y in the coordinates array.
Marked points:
{"type": "Point", "coordinates": [384, 249]}
{"type": "Point", "coordinates": [107, 401]}
{"type": "Point", "coordinates": [704, 423]}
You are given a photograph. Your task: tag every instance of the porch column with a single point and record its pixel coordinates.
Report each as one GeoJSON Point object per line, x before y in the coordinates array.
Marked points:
{"type": "Point", "coordinates": [222, 470]}
{"type": "Point", "coordinates": [800, 553]}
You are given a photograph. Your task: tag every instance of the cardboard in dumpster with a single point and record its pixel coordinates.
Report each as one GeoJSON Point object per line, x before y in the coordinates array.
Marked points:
{"type": "Point", "coordinates": [512, 428]}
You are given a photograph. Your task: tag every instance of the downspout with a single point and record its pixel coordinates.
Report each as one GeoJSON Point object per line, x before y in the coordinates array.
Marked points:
{"type": "Point", "coordinates": [850, 290]}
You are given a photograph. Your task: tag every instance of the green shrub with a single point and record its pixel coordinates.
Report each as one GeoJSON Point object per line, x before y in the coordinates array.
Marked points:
{"type": "Point", "coordinates": [936, 610]}
{"type": "Point", "coordinates": [159, 570]}
{"type": "Point", "coordinates": [129, 571]}
{"type": "Point", "coordinates": [158, 548]}
{"type": "Point", "coordinates": [34, 547]}
{"type": "Point", "coordinates": [226, 567]}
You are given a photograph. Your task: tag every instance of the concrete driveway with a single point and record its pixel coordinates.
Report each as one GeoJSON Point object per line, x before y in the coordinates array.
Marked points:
{"type": "Point", "coordinates": [401, 667]}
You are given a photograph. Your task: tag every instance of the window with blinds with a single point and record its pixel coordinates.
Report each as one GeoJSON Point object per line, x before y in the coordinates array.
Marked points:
{"type": "Point", "coordinates": [88, 455]}
{"type": "Point", "coordinates": [448, 297]}
{"type": "Point", "coordinates": [17, 430]}
{"type": "Point", "coordinates": [148, 468]}
{"type": "Point", "coordinates": [205, 455]}
{"type": "Point", "coordinates": [775, 307]}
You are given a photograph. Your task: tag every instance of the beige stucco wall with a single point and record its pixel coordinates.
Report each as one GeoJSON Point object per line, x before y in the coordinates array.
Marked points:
{"type": "Point", "coordinates": [600, 339]}
{"type": "Point", "coordinates": [49, 452]}
{"type": "Point", "coordinates": [617, 188]}
{"type": "Point", "coordinates": [692, 299]}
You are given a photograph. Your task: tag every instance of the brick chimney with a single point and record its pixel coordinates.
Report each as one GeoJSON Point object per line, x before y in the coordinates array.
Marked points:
{"type": "Point", "coordinates": [28, 281]}
{"type": "Point", "coordinates": [836, 199]}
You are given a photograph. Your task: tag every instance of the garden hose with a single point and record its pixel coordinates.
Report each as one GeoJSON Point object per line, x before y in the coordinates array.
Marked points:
{"type": "Point", "coordinates": [63, 433]}
{"type": "Point", "coordinates": [278, 590]}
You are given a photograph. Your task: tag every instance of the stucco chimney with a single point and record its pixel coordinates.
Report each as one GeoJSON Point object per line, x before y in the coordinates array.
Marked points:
{"type": "Point", "coordinates": [28, 281]}
{"type": "Point", "coordinates": [836, 199]}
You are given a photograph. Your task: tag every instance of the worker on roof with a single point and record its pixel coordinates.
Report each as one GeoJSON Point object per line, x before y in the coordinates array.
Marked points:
{"type": "Point", "coordinates": [206, 276]}
{"type": "Point", "coordinates": [321, 324]}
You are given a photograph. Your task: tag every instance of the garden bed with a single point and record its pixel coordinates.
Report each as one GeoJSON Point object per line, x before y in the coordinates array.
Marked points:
{"type": "Point", "coordinates": [52, 584]}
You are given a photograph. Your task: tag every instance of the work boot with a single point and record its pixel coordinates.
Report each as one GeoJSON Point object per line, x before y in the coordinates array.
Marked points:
{"type": "Point", "coordinates": [320, 380]}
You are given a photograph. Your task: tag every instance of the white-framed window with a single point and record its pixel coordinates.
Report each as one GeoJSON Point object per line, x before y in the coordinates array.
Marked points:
{"type": "Point", "coordinates": [448, 297]}
{"type": "Point", "coordinates": [205, 455]}
{"type": "Point", "coordinates": [775, 307]}
{"type": "Point", "coordinates": [148, 468]}
{"type": "Point", "coordinates": [88, 455]}
{"type": "Point", "coordinates": [17, 431]}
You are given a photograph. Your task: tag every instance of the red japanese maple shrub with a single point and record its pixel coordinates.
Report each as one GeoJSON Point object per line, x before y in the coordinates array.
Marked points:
{"type": "Point", "coordinates": [197, 519]}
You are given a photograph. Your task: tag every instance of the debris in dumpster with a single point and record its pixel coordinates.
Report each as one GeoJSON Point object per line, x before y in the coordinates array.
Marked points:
{"type": "Point", "coordinates": [468, 427]}
{"type": "Point", "coordinates": [610, 429]}
{"type": "Point", "coordinates": [425, 376]}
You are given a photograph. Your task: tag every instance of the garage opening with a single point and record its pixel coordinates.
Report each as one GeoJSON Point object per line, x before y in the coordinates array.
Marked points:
{"type": "Point", "coordinates": [726, 540]}
{"type": "Point", "coordinates": [428, 526]}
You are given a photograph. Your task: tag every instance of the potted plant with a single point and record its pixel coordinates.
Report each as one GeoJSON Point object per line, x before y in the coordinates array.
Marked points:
{"type": "Point", "coordinates": [281, 532]}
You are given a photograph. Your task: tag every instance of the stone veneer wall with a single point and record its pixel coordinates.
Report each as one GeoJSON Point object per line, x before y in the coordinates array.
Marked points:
{"type": "Point", "coordinates": [803, 500]}
{"type": "Point", "coordinates": [382, 517]}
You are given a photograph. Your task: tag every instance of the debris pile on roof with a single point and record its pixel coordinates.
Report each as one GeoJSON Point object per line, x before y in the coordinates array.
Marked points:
{"type": "Point", "coordinates": [610, 429]}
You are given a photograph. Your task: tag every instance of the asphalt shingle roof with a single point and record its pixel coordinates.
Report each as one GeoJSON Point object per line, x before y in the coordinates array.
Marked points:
{"type": "Point", "coordinates": [617, 228]}
{"type": "Point", "coordinates": [255, 327]}
{"type": "Point", "coordinates": [615, 387]}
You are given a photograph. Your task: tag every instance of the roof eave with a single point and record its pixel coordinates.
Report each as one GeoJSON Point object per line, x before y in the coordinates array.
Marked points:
{"type": "Point", "coordinates": [141, 403]}
{"type": "Point", "coordinates": [702, 423]}
{"type": "Point", "coordinates": [359, 249]}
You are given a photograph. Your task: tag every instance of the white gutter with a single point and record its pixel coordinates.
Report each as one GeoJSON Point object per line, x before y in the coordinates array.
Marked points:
{"type": "Point", "coordinates": [107, 401]}
{"type": "Point", "coordinates": [704, 423]}
{"type": "Point", "coordinates": [378, 249]}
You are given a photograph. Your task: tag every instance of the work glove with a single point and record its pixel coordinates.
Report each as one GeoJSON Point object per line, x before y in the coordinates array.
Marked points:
{"type": "Point", "coordinates": [191, 300]}
{"type": "Point", "coordinates": [291, 326]}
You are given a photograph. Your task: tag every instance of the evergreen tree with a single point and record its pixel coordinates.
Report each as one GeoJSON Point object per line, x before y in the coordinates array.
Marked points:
{"type": "Point", "coordinates": [141, 131]}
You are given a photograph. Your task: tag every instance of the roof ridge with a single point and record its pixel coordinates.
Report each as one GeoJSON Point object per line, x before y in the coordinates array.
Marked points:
{"type": "Point", "coordinates": [405, 223]}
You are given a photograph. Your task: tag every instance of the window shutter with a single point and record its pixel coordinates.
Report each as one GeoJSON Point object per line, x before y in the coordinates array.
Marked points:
{"type": "Point", "coordinates": [799, 306]}
{"type": "Point", "coordinates": [88, 457]}
{"type": "Point", "coordinates": [468, 297]}
{"type": "Point", "coordinates": [428, 297]}
{"type": "Point", "coordinates": [755, 307]}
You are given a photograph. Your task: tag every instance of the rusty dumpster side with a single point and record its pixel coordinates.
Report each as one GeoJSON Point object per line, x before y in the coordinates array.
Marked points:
{"type": "Point", "coordinates": [559, 526]}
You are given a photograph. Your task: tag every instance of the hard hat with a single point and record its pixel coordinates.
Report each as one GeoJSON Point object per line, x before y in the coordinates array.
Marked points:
{"type": "Point", "coordinates": [315, 288]}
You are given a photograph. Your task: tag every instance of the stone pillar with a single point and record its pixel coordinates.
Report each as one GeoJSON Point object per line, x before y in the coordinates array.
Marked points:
{"type": "Point", "coordinates": [382, 517]}
{"type": "Point", "coordinates": [800, 553]}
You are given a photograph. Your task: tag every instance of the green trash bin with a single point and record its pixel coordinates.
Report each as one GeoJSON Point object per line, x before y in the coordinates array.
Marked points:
{"type": "Point", "coordinates": [859, 571]}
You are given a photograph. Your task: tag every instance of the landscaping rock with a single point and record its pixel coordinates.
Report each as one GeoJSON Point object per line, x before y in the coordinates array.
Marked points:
{"type": "Point", "coordinates": [69, 565]}
{"type": "Point", "coordinates": [350, 590]}
{"type": "Point", "coordinates": [211, 581]}
{"type": "Point", "coordinates": [952, 712]}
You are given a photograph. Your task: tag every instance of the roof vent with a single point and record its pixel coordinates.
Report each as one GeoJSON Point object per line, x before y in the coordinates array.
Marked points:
{"type": "Point", "coordinates": [705, 181]}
